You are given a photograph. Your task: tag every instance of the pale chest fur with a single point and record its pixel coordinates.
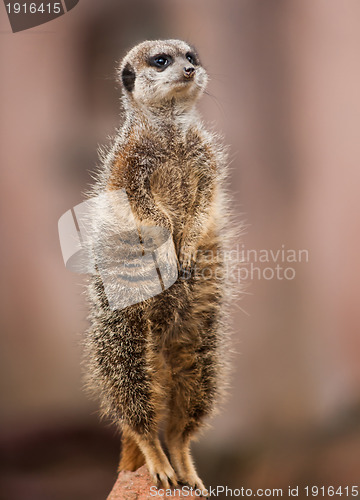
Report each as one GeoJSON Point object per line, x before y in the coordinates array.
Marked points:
{"type": "Point", "coordinates": [175, 169]}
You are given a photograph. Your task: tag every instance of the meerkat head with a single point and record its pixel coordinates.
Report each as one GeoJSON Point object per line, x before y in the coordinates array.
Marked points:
{"type": "Point", "coordinates": [162, 72]}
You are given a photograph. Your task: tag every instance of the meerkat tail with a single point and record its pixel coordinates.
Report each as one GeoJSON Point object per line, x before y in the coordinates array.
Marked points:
{"type": "Point", "coordinates": [132, 457]}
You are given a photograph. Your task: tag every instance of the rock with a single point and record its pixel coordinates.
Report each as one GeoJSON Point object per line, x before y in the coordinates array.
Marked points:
{"type": "Point", "coordinates": [136, 486]}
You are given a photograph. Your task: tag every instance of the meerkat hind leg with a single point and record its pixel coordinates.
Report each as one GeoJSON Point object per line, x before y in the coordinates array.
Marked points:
{"type": "Point", "coordinates": [189, 404]}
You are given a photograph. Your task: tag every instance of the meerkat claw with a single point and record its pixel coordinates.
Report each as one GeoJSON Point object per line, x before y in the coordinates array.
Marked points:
{"type": "Point", "coordinates": [166, 480]}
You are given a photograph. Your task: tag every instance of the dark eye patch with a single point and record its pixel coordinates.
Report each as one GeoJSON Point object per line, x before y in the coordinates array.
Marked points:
{"type": "Point", "coordinates": [160, 61]}
{"type": "Point", "coordinates": [128, 77]}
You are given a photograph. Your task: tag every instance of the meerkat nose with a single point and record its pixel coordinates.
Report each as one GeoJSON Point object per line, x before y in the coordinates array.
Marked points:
{"type": "Point", "coordinates": [189, 72]}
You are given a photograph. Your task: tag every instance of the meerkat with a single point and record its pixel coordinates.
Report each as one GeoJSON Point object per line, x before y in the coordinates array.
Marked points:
{"type": "Point", "coordinates": [163, 359]}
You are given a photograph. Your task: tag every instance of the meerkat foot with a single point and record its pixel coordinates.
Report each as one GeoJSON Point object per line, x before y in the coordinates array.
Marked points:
{"type": "Point", "coordinates": [159, 466]}
{"type": "Point", "coordinates": [183, 464]}
{"type": "Point", "coordinates": [163, 475]}
{"type": "Point", "coordinates": [193, 480]}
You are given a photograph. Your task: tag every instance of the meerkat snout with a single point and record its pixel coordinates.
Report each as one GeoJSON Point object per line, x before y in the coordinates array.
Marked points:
{"type": "Point", "coordinates": [189, 72]}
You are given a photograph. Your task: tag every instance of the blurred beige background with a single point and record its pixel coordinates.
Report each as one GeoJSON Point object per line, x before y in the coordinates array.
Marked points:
{"type": "Point", "coordinates": [284, 92]}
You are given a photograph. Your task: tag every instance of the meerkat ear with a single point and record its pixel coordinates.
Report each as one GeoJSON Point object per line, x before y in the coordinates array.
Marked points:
{"type": "Point", "coordinates": [128, 77]}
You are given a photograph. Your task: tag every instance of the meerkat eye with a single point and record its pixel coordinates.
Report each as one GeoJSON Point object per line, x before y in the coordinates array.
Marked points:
{"type": "Point", "coordinates": [191, 58]}
{"type": "Point", "coordinates": [160, 61]}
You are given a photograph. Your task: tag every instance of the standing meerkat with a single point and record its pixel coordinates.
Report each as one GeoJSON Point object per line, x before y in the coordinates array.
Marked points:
{"type": "Point", "coordinates": [162, 359]}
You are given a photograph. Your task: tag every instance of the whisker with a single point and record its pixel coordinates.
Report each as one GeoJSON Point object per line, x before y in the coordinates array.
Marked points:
{"type": "Point", "coordinates": [220, 77]}
{"type": "Point", "coordinates": [106, 77]}
{"type": "Point", "coordinates": [216, 100]}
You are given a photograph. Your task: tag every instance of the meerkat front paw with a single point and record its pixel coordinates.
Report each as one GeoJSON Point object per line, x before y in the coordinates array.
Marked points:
{"type": "Point", "coordinates": [187, 257]}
